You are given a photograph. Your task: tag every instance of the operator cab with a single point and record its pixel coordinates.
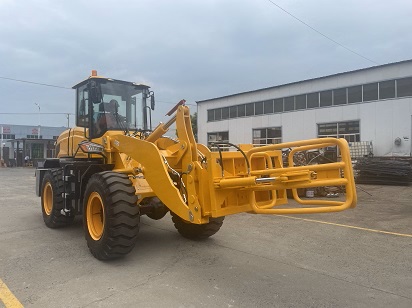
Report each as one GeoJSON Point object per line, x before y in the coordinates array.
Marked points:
{"type": "Point", "coordinates": [104, 104]}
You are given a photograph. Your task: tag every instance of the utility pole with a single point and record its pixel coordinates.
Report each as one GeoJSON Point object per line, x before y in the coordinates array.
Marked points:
{"type": "Point", "coordinates": [1, 146]}
{"type": "Point", "coordinates": [38, 131]}
{"type": "Point", "coordinates": [68, 120]}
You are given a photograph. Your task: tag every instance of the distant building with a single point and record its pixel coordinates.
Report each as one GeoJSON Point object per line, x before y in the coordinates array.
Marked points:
{"type": "Point", "coordinates": [371, 105]}
{"type": "Point", "coordinates": [20, 141]}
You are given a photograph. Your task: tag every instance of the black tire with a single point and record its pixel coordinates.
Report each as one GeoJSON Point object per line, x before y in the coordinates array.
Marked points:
{"type": "Point", "coordinates": [158, 209]}
{"type": "Point", "coordinates": [194, 231]}
{"type": "Point", "coordinates": [52, 201]}
{"type": "Point", "coordinates": [157, 215]}
{"type": "Point", "coordinates": [110, 232]}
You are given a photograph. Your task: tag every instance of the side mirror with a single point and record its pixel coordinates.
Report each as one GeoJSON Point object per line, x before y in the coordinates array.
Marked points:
{"type": "Point", "coordinates": [152, 101]}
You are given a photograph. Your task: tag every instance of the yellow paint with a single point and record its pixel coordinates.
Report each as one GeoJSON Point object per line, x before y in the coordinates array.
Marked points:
{"type": "Point", "coordinates": [48, 198]}
{"type": "Point", "coordinates": [8, 299]}
{"type": "Point", "coordinates": [68, 142]}
{"type": "Point", "coordinates": [154, 171]}
{"type": "Point", "coordinates": [348, 226]}
{"type": "Point", "coordinates": [236, 187]}
{"type": "Point", "coordinates": [95, 216]}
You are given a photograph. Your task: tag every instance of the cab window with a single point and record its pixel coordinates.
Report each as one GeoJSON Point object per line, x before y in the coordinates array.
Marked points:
{"type": "Point", "coordinates": [82, 106]}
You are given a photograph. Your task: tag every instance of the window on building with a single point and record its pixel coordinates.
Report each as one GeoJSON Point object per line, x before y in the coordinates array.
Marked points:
{"type": "Point", "coordinates": [404, 87]}
{"type": "Point", "coordinates": [370, 92]}
{"type": "Point", "coordinates": [241, 110]}
{"type": "Point", "coordinates": [51, 153]}
{"type": "Point", "coordinates": [258, 108]}
{"type": "Point", "coordinates": [278, 105]}
{"type": "Point", "coordinates": [339, 96]}
{"type": "Point", "coordinates": [34, 137]}
{"type": "Point", "coordinates": [225, 113]}
{"type": "Point", "coordinates": [335, 97]}
{"type": "Point", "coordinates": [37, 150]}
{"type": "Point", "coordinates": [217, 137]}
{"type": "Point", "coordinates": [354, 94]}
{"type": "Point", "coordinates": [289, 103]}
{"type": "Point", "coordinates": [250, 109]}
{"type": "Point", "coordinates": [8, 136]}
{"type": "Point", "coordinates": [348, 130]}
{"type": "Point", "coordinates": [327, 129]}
{"type": "Point", "coordinates": [326, 98]}
{"type": "Point", "coordinates": [264, 136]}
{"type": "Point", "coordinates": [300, 101]}
{"type": "Point", "coordinates": [218, 114]}
{"type": "Point", "coordinates": [233, 112]}
{"type": "Point", "coordinates": [268, 106]}
{"type": "Point", "coordinates": [313, 100]}
{"type": "Point", "coordinates": [387, 89]}
{"type": "Point", "coordinates": [210, 115]}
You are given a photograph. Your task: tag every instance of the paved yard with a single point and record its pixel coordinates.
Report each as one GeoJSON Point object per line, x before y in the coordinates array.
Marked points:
{"type": "Point", "coordinates": [358, 258]}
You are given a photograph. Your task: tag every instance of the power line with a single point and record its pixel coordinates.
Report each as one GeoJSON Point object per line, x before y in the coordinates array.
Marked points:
{"type": "Point", "coordinates": [324, 35]}
{"type": "Point", "coordinates": [37, 83]}
{"type": "Point", "coordinates": [61, 87]}
{"type": "Point", "coordinates": [31, 113]}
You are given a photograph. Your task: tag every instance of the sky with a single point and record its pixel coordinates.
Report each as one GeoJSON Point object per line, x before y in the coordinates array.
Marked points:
{"type": "Point", "coordinates": [185, 49]}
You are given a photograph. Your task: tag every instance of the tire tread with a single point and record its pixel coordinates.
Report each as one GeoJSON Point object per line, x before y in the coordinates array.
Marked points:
{"type": "Point", "coordinates": [56, 219]}
{"type": "Point", "coordinates": [197, 232]}
{"type": "Point", "coordinates": [122, 217]}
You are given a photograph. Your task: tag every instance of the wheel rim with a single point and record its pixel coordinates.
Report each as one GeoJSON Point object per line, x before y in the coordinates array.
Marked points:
{"type": "Point", "coordinates": [48, 198]}
{"type": "Point", "coordinates": [95, 216]}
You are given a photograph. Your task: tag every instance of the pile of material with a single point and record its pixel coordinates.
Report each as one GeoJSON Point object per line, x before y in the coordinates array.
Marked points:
{"type": "Point", "coordinates": [383, 172]}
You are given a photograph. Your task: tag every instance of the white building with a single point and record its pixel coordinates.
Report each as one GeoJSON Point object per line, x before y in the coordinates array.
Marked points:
{"type": "Point", "coordinates": [20, 141]}
{"type": "Point", "coordinates": [372, 104]}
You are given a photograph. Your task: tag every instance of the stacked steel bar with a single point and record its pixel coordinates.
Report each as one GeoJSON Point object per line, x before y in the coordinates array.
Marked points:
{"type": "Point", "coordinates": [382, 171]}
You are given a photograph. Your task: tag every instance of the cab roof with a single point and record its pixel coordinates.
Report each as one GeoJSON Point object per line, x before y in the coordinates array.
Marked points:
{"type": "Point", "coordinates": [94, 76]}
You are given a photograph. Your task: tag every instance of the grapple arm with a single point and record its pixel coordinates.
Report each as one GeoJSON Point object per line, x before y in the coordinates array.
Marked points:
{"type": "Point", "coordinates": [264, 187]}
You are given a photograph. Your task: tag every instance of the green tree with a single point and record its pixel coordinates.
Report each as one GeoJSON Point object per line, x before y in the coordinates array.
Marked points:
{"type": "Point", "coordinates": [193, 119]}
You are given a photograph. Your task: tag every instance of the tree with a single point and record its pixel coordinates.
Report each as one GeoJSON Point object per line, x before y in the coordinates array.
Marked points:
{"type": "Point", "coordinates": [193, 119]}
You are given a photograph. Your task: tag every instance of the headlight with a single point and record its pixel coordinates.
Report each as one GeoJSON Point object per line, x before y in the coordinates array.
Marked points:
{"type": "Point", "coordinates": [91, 147]}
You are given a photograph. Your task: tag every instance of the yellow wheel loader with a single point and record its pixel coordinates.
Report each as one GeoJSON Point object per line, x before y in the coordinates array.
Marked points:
{"type": "Point", "coordinates": [112, 167]}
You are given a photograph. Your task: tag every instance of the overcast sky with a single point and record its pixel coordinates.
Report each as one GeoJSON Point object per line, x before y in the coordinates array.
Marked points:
{"type": "Point", "coordinates": [186, 49]}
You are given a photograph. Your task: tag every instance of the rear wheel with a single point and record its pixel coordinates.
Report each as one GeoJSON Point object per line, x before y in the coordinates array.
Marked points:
{"type": "Point", "coordinates": [52, 202]}
{"type": "Point", "coordinates": [194, 231]}
{"type": "Point", "coordinates": [111, 216]}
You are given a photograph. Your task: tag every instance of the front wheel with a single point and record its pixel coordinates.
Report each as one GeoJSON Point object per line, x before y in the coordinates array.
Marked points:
{"type": "Point", "coordinates": [111, 216]}
{"type": "Point", "coordinates": [194, 231]}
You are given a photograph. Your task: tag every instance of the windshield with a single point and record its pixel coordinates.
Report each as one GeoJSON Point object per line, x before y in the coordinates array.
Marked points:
{"type": "Point", "coordinates": [119, 106]}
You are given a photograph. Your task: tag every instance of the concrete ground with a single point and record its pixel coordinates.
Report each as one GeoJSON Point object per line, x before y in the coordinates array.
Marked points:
{"type": "Point", "coordinates": [253, 261]}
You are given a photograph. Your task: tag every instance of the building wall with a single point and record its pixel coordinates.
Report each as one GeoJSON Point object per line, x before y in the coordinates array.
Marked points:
{"type": "Point", "coordinates": [381, 121]}
{"type": "Point", "coordinates": [22, 131]}
{"type": "Point", "coordinates": [28, 132]}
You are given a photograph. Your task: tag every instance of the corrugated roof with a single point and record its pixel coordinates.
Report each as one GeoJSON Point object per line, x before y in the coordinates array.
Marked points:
{"type": "Point", "coordinates": [306, 80]}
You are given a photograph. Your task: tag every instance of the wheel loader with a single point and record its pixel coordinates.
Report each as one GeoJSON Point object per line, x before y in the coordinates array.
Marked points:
{"type": "Point", "coordinates": [112, 168]}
